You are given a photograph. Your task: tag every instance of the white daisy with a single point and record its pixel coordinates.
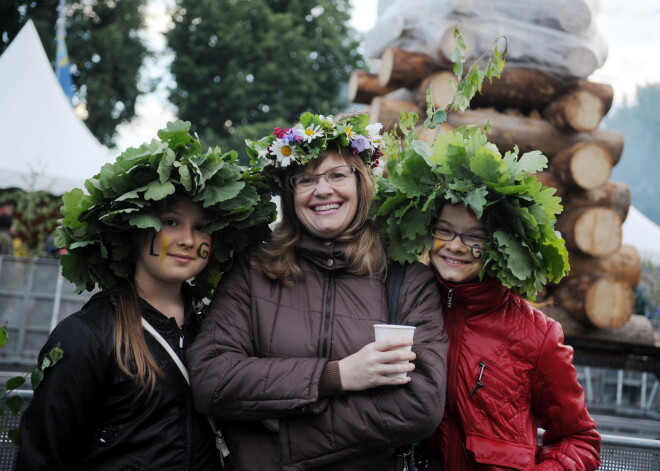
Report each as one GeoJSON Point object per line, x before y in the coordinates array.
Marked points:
{"type": "Point", "coordinates": [284, 152]}
{"type": "Point", "coordinates": [349, 130]}
{"type": "Point", "coordinates": [312, 132]}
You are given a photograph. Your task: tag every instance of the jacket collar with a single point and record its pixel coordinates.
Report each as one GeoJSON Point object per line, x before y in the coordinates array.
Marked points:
{"type": "Point", "coordinates": [481, 297]}
{"type": "Point", "coordinates": [327, 254]}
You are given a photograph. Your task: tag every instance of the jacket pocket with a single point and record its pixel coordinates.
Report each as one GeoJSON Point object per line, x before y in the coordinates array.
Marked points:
{"type": "Point", "coordinates": [495, 452]}
{"type": "Point", "coordinates": [492, 380]}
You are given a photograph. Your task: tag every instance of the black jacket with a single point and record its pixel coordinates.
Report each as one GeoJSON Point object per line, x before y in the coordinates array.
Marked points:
{"type": "Point", "coordinates": [84, 415]}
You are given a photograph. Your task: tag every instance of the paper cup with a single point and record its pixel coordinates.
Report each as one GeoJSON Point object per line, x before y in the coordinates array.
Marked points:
{"type": "Point", "coordinates": [384, 331]}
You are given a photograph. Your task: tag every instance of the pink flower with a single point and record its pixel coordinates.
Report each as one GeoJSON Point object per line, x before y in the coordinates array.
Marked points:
{"type": "Point", "coordinates": [279, 132]}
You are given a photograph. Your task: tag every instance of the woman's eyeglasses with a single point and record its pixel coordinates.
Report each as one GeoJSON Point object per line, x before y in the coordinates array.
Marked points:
{"type": "Point", "coordinates": [336, 176]}
{"type": "Point", "coordinates": [445, 234]}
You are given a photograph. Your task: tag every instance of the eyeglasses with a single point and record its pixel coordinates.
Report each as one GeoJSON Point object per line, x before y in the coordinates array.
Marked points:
{"type": "Point", "coordinates": [469, 240]}
{"type": "Point", "coordinates": [336, 176]}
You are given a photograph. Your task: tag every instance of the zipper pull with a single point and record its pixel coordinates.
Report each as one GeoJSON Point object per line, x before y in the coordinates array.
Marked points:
{"type": "Point", "coordinates": [450, 297]}
{"type": "Point", "coordinates": [180, 338]}
{"type": "Point", "coordinates": [479, 384]}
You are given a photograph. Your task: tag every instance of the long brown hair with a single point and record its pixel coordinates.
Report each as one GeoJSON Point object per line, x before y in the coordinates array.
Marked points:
{"type": "Point", "coordinates": [365, 253]}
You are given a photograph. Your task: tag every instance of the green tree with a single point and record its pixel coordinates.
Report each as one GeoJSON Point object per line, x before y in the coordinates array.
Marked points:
{"type": "Point", "coordinates": [639, 165]}
{"type": "Point", "coordinates": [245, 62]}
{"type": "Point", "coordinates": [104, 48]}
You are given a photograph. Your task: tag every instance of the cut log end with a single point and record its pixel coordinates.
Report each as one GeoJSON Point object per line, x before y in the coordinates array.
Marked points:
{"type": "Point", "coordinates": [609, 303]}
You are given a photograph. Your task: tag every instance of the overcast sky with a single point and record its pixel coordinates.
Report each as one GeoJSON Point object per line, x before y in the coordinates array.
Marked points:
{"type": "Point", "coordinates": [631, 29]}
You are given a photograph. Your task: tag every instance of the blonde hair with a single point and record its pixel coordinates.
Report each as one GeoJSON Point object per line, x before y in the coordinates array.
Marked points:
{"type": "Point", "coordinates": [365, 253]}
{"type": "Point", "coordinates": [131, 351]}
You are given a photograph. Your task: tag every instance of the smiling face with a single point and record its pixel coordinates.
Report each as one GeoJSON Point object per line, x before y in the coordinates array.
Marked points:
{"type": "Point", "coordinates": [456, 262]}
{"type": "Point", "coordinates": [324, 210]}
{"type": "Point", "coordinates": [179, 251]}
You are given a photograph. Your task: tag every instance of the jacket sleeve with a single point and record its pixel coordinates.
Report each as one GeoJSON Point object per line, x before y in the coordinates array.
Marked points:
{"type": "Point", "coordinates": [386, 417]}
{"type": "Point", "coordinates": [570, 440]}
{"type": "Point", "coordinates": [229, 381]}
{"type": "Point", "coordinates": [56, 425]}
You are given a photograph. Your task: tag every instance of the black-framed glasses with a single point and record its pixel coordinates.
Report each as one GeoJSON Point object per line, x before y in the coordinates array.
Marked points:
{"type": "Point", "coordinates": [335, 176]}
{"type": "Point", "coordinates": [445, 234]}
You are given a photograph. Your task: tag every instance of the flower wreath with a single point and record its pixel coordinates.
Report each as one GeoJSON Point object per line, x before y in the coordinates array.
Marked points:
{"type": "Point", "coordinates": [310, 137]}
{"type": "Point", "coordinates": [128, 195]}
{"type": "Point", "coordinates": [462, 167]}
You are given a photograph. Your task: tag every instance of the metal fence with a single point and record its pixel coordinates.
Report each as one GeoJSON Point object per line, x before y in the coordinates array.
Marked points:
{"type": "Point", "coordinates": [34, 297]}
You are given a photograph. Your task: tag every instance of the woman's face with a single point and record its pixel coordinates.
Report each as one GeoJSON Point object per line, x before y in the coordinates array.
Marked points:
{"type": "Point", "coordinates": [326, 210]}
{"type": "Point", "coordinates": [179, 251]}
{"type": "Point", "coordinates": [455, 261]}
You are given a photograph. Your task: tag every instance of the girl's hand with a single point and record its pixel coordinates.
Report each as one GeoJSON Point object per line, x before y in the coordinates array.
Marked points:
{"type": "Point", "coordinates": [369, 367]}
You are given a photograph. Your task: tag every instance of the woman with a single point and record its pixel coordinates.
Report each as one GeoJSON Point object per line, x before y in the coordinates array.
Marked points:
{"type": "Point", "coordinates": [492, 243]}
{"type": "Point", "coordinates": [160, 215]}
{"type": "Point", "coordinates": [286, 360]}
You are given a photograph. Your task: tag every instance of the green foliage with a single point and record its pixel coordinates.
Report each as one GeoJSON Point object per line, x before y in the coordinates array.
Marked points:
{"type": "Point", "coordinates": [462, 167]}
{"type": "Point", "coordinates": [97, 228]}
{"type": "Point", "coordinates": [104, 49]}
{"type": "Point", "coordinates": [639, 165]}
{"type": "Point", "coordinates": [467, 86]}
{"type": "Point", "coordinates": [245, 62]}
{"type": "Point", "coordinates": [35, 218]}
{"type": "Point", "coordinates": [651, 286]}
{"type": "Point", "coordinates": [13, 402]}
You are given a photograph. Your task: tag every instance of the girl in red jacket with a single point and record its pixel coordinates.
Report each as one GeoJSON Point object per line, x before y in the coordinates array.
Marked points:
{"type": "Point", "coordinates": [492, 244]}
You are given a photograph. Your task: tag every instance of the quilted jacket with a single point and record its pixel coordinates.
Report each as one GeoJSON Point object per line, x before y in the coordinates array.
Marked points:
{"type": "Point", "coordinates": [264, 347]}
{"type": "Point", "coordinates": [509, 373]}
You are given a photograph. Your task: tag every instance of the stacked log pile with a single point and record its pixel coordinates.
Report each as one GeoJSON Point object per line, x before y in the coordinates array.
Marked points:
{"type": "Point", "coordinates": [561, 117]}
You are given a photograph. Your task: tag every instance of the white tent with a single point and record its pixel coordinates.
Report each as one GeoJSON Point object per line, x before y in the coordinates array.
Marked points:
{"type": "Point", "coordinates": [43, 144]}
{"type": "Point", "coordinates": [641, 232]}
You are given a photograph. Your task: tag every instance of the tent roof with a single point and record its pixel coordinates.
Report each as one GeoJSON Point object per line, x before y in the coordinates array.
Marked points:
{"type": "Point", "coordinates": [641, 232]}
{"type": "Point", "coordinates": [43, 144]}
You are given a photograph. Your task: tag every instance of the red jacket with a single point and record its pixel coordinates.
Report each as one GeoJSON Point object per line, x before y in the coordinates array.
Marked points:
{"type": "Point", "coordinates": [509, 373]}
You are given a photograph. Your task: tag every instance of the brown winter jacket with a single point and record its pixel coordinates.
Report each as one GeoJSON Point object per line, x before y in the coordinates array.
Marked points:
{"type": "Point", "coordinates": [262, 351]}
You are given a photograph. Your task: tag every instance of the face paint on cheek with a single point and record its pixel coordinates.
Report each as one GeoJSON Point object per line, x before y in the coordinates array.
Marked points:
{"type": "Point", "coordinates": [164, 249]}
{"type": "Point", "coordinates": [202, 250]}
{"type": "Point", "coordinates": [437, 244]}
{"type": "Point", "coordinates": [476, 253]}
{"type": "Point", "coordinates": [151, 248]}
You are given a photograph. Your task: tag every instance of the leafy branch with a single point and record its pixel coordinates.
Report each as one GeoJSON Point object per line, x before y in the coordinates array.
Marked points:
{"type": "Point", "coordinates": [468, 85]}
{"type": "Point", "coordinates": [13, 402]}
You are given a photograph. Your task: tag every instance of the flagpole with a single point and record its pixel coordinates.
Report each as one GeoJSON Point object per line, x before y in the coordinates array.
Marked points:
{"type": "Point", "coordinates": [62, 67]}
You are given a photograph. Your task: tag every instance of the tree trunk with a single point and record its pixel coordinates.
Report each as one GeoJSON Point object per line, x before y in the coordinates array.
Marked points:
{"type": "Point", "coordinates": [585, 165]}
{"type": "Point", "coordinates": [614, 195]}
{"type": "Point", "coordinates": [638, 330]}
{"type": "Point", "coordinates": [535, 134]}
{"type": "Point", "coordinates": [399, 68]}
{"type": "Point", "coordinates": [581, 109]}
{"type": "Point", "coordinates": [594, 231]}
{"type": "Point", "coordinates": [547, 178]}
{"type": "Point", "coordinates": [598, 300]}
{"type": "Point", "coordinates": [387, 111]}
{"type": "Point", "coordinates": [624, 264]}
{"type": "Point", "coordinates": [523, 88]}
{"type": "Point", "coordinates": [441, 89]}
{"type": "Point", "coordinates": [363, 87]}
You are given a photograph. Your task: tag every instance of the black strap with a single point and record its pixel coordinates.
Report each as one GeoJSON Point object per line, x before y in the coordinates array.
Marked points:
{"type": "Point", "coordinates": [395, 273]}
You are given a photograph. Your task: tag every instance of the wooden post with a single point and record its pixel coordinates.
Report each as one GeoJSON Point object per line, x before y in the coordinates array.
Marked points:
{"type": "Point", "coordinates": [624, 264]}
{"type": "Point", "coordinates": [581, 109]}
{"type": "Point", "coordinates": [586, 165]}
{"type": "Point", "coordinates": [614, 195]}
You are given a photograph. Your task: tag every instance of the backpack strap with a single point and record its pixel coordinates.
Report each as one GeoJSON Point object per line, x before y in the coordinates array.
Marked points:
{"type": "Point", "coordinates": [395, 273]}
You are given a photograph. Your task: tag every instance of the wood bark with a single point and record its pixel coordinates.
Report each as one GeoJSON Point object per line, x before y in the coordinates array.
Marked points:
{"type": "Point", "coordinates": [387, 111]}
{"type": "Point", "coordinates": [547, 178]}
{"type": "Point", "coordinates": [594, 231]}
{"type": "Point", "coordinates": [581, 109]}
{"type": "Point", "coordinates": [625, 264]}
{"type": "Point", "coordinates": [585, 165]}
{"type": "Point", "coordinates": [535, 134]}
{"type": "Point", "coordinates": [522, 88]}
{"type": "Point", "coordinates": [599, 300]}
{"type": "Point", "coordinates": [363, 87]}
{"type": "Point", "coordinates": [612, 194]}
{"type": "Point", "coordinates": [638, 330]}
{"type": "Point", "coordinates": [400, 68]}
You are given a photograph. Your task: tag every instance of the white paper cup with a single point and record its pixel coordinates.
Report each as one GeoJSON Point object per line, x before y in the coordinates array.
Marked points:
{"type": "Point", "coordinates": [384, 331]}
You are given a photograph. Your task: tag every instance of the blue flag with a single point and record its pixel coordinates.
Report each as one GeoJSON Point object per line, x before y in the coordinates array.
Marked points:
{"type": "Point", "coordinates": [62, 69]}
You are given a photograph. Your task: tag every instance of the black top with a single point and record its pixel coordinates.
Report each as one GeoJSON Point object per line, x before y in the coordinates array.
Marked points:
{"type": "Point", "coordinates": [85, 415]}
